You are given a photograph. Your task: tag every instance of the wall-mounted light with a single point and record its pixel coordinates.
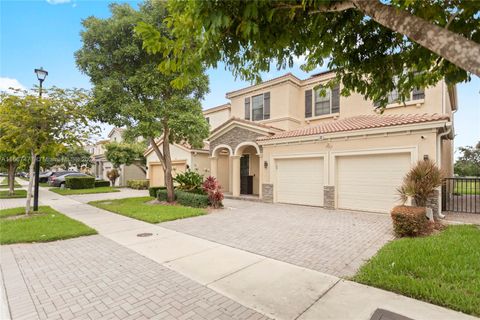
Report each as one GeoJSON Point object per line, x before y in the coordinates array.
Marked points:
{"type": "Point", "coordinates": [425, 157]}
{"type": "Point", "coordinates": [265, 164]}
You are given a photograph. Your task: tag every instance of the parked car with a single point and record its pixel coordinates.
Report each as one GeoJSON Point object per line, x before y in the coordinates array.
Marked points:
{"type": "Point", "coordinates": [43, 177]}
{"type": "Point", "coordinates": [58, 174]}
{"type": "Point", "coordinates": [59, 180]}
{"type": "Point", "coordinates": [22, 174]}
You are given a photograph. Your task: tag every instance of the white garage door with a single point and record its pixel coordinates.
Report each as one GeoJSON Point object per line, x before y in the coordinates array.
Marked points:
{"type": "Point", "coordinates": [370, 182]}
{"type": "Point", "coordinates": [300, 181]}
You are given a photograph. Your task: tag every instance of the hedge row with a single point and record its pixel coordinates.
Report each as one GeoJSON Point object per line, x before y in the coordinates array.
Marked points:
{"type": "Point", "coordinates": [185, 198]}
{"type": "Point", "coordinates": [79, 182]}
{"type": "Point", "coordinates": [153, 191]}
{"type": "Point", "coordinates": [140, 184]}
{"type": "Point", "coordinates": [102, 183]}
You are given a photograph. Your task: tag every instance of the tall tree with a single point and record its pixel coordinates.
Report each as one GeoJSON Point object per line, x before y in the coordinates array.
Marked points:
{"type": "Point", "coordinates": [126, 153]}
{"type": "Point", "coordinates": [468, 164]}
{"type": "Point", "coordinates": [70, 156]}
{"type": "Point", "coordinates": [41, 126]}
{"type": "Point", "coordinates": [374, 46]}
{"type": "Point", "coordinates": [130, 92]}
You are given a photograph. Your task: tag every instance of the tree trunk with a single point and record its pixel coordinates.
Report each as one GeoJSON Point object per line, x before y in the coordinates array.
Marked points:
{"type": "Point", "coordinates": [167, 168]}
{"type": "Point", "coordinates": [12, 167]}
{"type": "Point", "coordinates": [164, 165]}
{"type": "Point", "coordinates": [449, 45]}
{"type": "Point", "coordinates": [30, 183]}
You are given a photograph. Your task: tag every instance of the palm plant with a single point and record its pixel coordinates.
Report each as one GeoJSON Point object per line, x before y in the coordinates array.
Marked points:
{"type": "Point", "coordinates": [420, 182]}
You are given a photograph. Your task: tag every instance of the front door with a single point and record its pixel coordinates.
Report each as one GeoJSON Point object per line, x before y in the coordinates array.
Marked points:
{"type": "Point", "coordinates": [246, 181]}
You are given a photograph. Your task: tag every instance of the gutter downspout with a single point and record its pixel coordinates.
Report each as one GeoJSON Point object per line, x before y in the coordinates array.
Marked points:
{"type": "Point", "coordinates": [448, 130]}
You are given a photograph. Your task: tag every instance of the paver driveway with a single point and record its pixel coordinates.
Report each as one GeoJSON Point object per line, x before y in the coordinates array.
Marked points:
{"type": "Point", "coordinates": [334, 242]}
{"type": "Point", "coordinates": [96, 278]}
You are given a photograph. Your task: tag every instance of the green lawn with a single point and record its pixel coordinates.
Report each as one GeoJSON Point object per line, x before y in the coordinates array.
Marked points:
{"type": "Point", "coordinates": [18, 193]}
{"type": "Point", "coordinates": [44, 184]}
{"type": "Point", "coordinates": [138, 208]}
{"type": "Point", "coordinates": [48, 225]}
{"type": "Point", "coordinates": [467, 187]}
{"type": "Point", "coordinates": [66, 192]}
{"type": "Point", "coordinates": [443, 269]}
{"type": "Point", "coordinates": [4, 183]}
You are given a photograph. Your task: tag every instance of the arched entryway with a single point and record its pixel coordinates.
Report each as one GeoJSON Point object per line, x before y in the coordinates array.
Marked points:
{"type": "Point", "coordinates": [248, 171]}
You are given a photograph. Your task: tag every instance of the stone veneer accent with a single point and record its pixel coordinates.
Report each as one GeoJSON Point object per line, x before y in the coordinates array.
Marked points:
{"type": "Point", "coordinates": [234, 137]}
{"type": "Point", "coordinates": [434, 203]}
{"type": "Point", "coordinates": [329, 197]}
{"type": "Point", "coordinates": [267, 192]}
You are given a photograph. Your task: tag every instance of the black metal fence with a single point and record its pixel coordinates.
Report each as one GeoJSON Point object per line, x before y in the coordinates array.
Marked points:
{"type": "Point", "coordinates": [461, 195]}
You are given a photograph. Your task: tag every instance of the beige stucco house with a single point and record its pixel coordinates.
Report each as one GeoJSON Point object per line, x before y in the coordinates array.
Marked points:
{"type": "Point", "coordinates": [183, 157]}
{"type": "Point", "coordinates": [101, 165]}
{"type": "Point", "coordinates": [283, 142]}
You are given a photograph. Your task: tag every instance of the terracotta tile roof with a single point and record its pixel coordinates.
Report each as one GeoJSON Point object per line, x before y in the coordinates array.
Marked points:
{"type": "Point", "coordinates": [358, 123]}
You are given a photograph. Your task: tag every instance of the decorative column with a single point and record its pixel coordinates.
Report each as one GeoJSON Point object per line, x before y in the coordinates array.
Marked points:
{"type": "Point", "coordinates": [260, 174]}
{"type": "Point", "coordinates": [235, 176]}
{"type": "Point", "coordinates": [213, 166]}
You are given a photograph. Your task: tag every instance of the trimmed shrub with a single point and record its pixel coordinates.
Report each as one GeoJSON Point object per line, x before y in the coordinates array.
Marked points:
{"type": "Point", "coordinates": [79, 182]}
{"type": "Point", "coordinates": [190, 199]}
{"type": "Point", "coordinates": [162, 194]}
{"type": "Point", "coordinates": [410, 221]}
{"type": "Point", "coordinates": [102, 183]}
{"type": "Point", "coordinates": [153, 191]}
{"type": "Point", "coordinates": [141, 184]}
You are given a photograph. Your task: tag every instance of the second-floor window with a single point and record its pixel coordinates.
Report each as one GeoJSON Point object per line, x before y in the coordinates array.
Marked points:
{"type": "Point", "coordinates": [257, 107]}
{"type": "Point", "coordinates": [416, 94]}
{"type": "Point", "coordinates": [322, 104]}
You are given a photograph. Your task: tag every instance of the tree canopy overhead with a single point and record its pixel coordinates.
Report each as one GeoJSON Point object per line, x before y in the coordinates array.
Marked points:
{"type": "Point", "coordinates": [130, 92]}
{"type": "Point", "coordinates": [374, 46]}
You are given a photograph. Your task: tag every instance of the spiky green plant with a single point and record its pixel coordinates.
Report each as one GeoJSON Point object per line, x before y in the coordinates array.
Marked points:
{"type": "Point", "coordinates": [420, 182]}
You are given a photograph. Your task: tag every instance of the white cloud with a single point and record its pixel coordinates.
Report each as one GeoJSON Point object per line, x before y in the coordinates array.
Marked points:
{"type": "Point", "coordinates": [58, 1]}
{"type": "Point", "coordinates": [7, 83]}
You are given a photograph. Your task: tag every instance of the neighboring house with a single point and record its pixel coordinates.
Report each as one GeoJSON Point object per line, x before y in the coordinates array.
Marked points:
{"type": "Point", "coordinates": [183, 157]}
{"type": "Point", "coordinates": [287, 143]}
{"type": "Point", "coordinates": [101, 165]}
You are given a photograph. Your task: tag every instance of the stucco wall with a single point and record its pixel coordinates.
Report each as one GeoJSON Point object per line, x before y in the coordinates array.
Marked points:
{"type": "Point", "coordinates": [421, 147]}
{"type": "Point", "coordinates": [176, 153]}
{"type": "Point", "coordinates": [216, 118]}
{"type": "Point", "coordinates": [201, 162]}
{"type": "Point", "coordinates": [288, 100]}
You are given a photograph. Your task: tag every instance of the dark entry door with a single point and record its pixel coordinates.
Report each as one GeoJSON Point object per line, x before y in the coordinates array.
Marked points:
{"type": "Point", "coordinates": [246, 181]}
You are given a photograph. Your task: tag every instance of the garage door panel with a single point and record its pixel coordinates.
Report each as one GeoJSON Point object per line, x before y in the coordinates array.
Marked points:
{"type": "Point", "coordinates": [300, 181]}
{"type": "Point", "coordinates": [370, 182]}
{"type": "Point", "coordinates": [156, 175]}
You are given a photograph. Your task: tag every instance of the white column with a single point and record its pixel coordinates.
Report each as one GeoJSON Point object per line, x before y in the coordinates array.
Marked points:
{"type": "Point", "coordinates": [235, 176]}
{"type": "Point", "coordinates": [213, 166]}
{"type": "Point", "coordinates": [260, 174]}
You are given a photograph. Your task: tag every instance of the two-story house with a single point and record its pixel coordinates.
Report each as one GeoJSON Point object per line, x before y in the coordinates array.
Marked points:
{"type": "Point", "coordinates": [101, 165]}
{"type": "Point", "coordinates": [285, 142]}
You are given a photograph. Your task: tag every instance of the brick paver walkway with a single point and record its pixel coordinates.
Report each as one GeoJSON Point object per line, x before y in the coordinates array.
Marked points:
{"type": "Point", "coordinates": [334, 242]}
{"type": "Point", "coordinates": [96, 278]}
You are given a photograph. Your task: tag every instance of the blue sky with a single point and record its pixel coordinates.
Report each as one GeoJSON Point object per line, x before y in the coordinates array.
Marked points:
{"type": "Point", "coordinates": [47, 32]}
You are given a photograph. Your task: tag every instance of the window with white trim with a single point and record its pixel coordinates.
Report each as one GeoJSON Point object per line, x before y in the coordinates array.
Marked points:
{"type": "Point", "coordinates": [257, 107]}
{"type": "Point", "coordinates": [327, 103]}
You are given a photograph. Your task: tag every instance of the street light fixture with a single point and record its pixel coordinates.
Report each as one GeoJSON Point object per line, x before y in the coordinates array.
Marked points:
{"type": "Point", "coordinates": [41, 75]}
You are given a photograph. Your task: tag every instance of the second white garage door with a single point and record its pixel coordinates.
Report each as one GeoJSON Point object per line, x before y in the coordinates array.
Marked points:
{"type": "Point", "coordinates": [300, 181]}
{"type": "Point", "coordinates": [370, 182]}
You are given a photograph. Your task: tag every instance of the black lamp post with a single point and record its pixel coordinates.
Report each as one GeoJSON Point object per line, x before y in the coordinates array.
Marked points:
{"type": "Point", "coordinates": [41, 75]}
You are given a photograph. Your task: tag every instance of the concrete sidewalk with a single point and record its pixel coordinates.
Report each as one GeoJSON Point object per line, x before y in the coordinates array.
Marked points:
{"type": "Point", "coordinates": [276, 289]}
